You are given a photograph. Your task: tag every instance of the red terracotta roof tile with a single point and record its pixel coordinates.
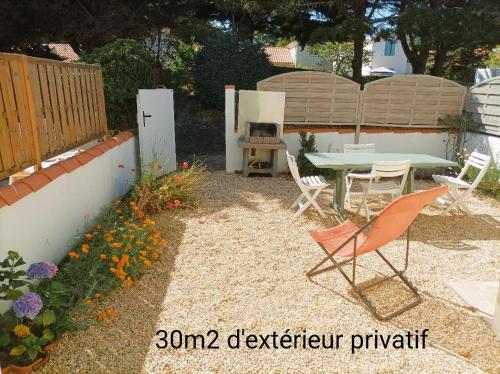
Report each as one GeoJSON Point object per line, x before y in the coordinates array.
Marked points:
{"type": "Point", "coordinates": [103, 147]}
{"type": "Point", "coordinates": [65, 51]}
{"type": "Point", "coordinates": [95, 151]}
{"type": "Point", "coordinates": [111, 142]}
{"type": "Point", "coordinates": [53, 172]}
{"type": "Point", "coordinates": [2, 203]}
{"type": "Point", "coordinates": [14, 192]}
{"type": "Point", "coordinates": [35, 181]}
{"type": "Point", "coordinates": [279, 56]}
{"type": "Point", "coordinates": [127, 135]}
{"type": "Point", "coordinates": [83, 157]}
{"type": "Point", "coordinates": [118, 138]}
{"type": "Point", "coordinates": [69, 164]}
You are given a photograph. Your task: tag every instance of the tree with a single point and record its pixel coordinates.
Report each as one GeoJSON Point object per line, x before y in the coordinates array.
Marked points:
{"type": "Point", "coordinates": [337, 57]}
{"type": "Point", "coordinates": [126, 67]}
{"type": "Point", "coordinates": [227, 59]}
{"type": "Point", "coordinates": [438, 27]}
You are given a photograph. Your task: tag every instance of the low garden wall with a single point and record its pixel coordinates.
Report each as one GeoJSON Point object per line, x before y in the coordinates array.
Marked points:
{"type": "Point", "coordinates": [40, 214]}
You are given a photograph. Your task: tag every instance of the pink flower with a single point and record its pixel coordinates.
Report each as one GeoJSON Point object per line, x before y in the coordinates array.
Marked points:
{"type": "Point", "coordinates": [121, 166]}
{"type": "Point", "coordinates": [170, 205]}
{"type": "Point", "coordinates": [177, 202]}
{"type": "Point", "coordinates": [185, 165]}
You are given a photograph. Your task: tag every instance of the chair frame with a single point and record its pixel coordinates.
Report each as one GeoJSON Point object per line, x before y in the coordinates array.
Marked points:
{"type": "Point", "coordinates": [459, 199]}
{"type": "Point", "coordinates": [306, 191]}
{"type": "Point", "coordinates": [374, 175]}
{"type": "Point", "coordinates": [352, 280]}
{"type": "Point", "coordinates": [349, 178]}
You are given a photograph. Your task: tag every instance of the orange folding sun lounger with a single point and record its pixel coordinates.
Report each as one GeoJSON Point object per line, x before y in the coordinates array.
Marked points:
{"type": "Point", "coordinates": [348, 240]}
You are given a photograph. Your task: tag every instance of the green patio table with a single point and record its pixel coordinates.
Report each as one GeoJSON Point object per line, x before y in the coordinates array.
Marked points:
{"type": "Point", "coordinates": [342, 163]}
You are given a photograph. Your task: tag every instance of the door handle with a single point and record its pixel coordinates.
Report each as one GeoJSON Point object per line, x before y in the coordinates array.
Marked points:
{"type": "Point", "coordinates": [144, 116]}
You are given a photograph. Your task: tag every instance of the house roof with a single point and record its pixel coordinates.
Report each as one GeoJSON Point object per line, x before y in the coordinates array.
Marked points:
{"type": "Point", "coordinates": [279, 56]}
{"type": "Point", "coordinates": [64, 51]}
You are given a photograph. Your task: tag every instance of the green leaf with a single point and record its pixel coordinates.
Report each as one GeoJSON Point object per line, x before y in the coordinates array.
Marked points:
{"type": "Point", "coordinates": [4, 338]}
{"type": "Point", "coordinates": [48, 334]}
{"type": "Point", "coordinates": [48, 317]}
{"type": "Point", "coordinates": [18, 350]}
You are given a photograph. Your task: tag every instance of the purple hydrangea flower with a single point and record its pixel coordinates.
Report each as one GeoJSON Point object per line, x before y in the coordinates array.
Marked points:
{"type": "Point", "coordinates": [28, 305]}
{"type": "Point", "coordinates": [42, 270]}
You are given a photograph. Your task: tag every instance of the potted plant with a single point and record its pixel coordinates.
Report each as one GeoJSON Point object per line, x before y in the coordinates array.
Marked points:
{"type": "Point", "coordinates": [29, 325]}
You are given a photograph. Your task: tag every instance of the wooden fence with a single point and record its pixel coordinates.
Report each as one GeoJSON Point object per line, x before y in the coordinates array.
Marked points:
{"type": "Point", "coordinates": [484, 104]}
{"type": "Point", "coordinates": [46, 108]}
{"type": "Point", "coordinates": [419, 101]}
{"type": "Point", "coordinates": [315, 98]}
{"type": "Point", "coordinates": [411, 101]}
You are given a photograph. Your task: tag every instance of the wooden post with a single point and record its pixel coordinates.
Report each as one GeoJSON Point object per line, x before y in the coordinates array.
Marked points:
{"type": "Point", "coordinates": [32, 112]}
{"type": "Point", "coordinates": [359, 116]}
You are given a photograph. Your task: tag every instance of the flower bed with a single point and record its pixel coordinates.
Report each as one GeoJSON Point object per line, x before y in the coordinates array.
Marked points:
{"type": "Point", "coordinates": [115, 249]}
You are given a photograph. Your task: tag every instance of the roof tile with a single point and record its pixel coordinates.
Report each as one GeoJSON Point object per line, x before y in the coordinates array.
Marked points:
{"type": "Point", "coordinates": [69, 164]}
{"type": "Point", "coordinates": [279, 56]}
{"type": "Point", "coordinates": [14, 192]}
{"type": "Point", "coordinates": [35, 181]}
{"type": "Point", "coordinates": [84, 157]}
{"type": "Point", "coordinates": [53, 172]}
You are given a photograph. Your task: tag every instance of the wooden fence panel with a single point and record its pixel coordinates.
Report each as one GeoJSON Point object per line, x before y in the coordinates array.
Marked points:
{"type": "Point", "coordinates": [315, 98]}
{"type": "Point", "coordinates": [46, 108]}
{"type": "Point", "coordinates": [484, 104]}
{"type": "Point", "coordinates": [411, 101]}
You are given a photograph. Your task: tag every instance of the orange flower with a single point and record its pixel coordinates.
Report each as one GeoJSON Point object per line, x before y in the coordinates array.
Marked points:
{"type": "Point", "coordinates": [139, 242]}
{"type": "Point", "coordinates": [155, 255]}
{"type": "Point", "coordinates": [123, 260]}
{"type": "Point", "coordinates": [129, 246]}
{"type": "Point", "coordinates": [88, 235]}
{"type": "Point", "coordinates": [97, 295]}
{"type": "Point", "coordinates": [87, 302]}
{"type": "Point", "coordinates": [115, 245]}
{"type": "Point", "coordinates": [85, 248]}
{"type": "Point", "coordinates": [114, 259]}
{"type": "Point", "coordinates": [111, 313]}
{"type": "Point", "coordinates": [102, 316]}
{"type": "Point", "coordinates": [143, 253]}
{"type": "Point", "coordinates": [128, 281]}
{"type": "Point", "coordinates": [73, 254]}
{"type": "Point", "coordinates": [147, 263]}
{"type": "Point", "coordinates": [113, 270]}
{"type": "Point", "coordinates": [102, 256]}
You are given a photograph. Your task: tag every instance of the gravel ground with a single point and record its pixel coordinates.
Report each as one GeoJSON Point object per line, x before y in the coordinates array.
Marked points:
{"type": "Point", "coordinates": [239, 262]}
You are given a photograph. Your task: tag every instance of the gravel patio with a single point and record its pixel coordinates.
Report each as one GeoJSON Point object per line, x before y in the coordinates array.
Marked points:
{"type": "Point", "coordinates": [239, 261]}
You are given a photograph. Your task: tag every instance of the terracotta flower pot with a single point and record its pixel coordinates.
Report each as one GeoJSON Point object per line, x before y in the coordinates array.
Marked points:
{"type": "Point", "coordinates": [35, 365]}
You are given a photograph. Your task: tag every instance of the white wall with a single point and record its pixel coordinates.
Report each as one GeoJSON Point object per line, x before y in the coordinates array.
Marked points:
{"type": "Point", "coordinates": [42, 225]}
{"type": "Point", "coordinates": [488, 144]}
{"type": "Point", "coordinates": [398, 62]}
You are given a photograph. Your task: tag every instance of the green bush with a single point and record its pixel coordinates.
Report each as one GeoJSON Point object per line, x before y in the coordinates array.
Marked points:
{"type": "Point", "coordinates": [126, 67]}
{"type": "Point", "coordinates": [307, 145]}
{"type": "Point", "coordinates": [225, 59]}
{"type": "Point", "coordinates": [490, 184]}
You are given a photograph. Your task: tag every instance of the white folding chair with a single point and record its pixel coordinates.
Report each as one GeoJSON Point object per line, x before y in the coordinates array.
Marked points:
{"type": "Point", "coordinates": [307, 185]}
{"type": "Point", "coordinates": [460, 190]}
{"type": "Point", "coordinates": [349, 179]}
{"type": "Point", "coordinates": [379, 185]}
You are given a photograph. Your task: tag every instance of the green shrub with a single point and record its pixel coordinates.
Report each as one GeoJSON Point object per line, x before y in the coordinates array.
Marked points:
{"type": "Point", "coordinates": [490, 184]}
{"type": "Point", "coordinates": [225, 59]}
{"type": "Point", "coordinates": [126, 67]}
{"type": "Point", "coordinates": [307, 145]}
{"type": "Point", "coordinates": [153, 193]}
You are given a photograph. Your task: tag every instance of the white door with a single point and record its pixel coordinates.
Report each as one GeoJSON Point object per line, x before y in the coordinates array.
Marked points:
{"type": "Point", "coordinates": [155, 119]}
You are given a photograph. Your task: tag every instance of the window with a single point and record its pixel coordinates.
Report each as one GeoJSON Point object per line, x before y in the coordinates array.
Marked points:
{"type": "Point", "coordinates": [390, 47]}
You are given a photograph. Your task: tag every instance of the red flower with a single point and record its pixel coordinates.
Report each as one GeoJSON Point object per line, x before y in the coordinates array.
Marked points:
{"type": "Point", "coordinates": [185, 165]}
{"type": "Point", "coordinates": [177, 202]}
{"type": "Point", "coordinates": [170, 205]}
{"type": "Point", "coordinates": [121, 166]}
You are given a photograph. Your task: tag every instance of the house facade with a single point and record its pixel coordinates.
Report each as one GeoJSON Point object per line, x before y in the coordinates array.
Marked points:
{"type": "Point", "coordinates": [388, 57]}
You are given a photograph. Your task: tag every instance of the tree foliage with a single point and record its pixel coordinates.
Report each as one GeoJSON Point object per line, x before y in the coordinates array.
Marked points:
{"type": "Point", "coordinates": [337, 57]}
{"type": "Point", "coordinates": [126, 68]}
{"type": "Point", "coordinates": [228, 59]}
